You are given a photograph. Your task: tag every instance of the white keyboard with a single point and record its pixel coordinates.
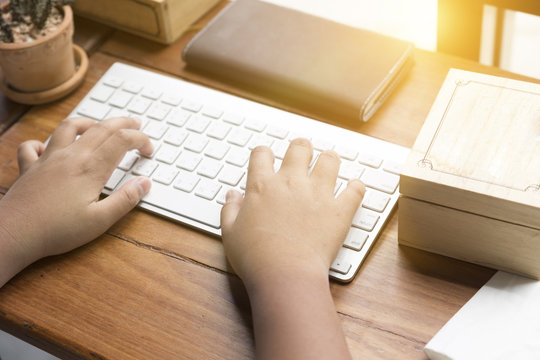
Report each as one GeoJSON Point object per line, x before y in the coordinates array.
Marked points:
{"type": "Point", "coordinates": [203, 139]}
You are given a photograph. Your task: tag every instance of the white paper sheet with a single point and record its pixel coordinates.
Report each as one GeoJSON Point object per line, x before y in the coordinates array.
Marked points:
{"type": "Point", "coordinates": [500, 322]}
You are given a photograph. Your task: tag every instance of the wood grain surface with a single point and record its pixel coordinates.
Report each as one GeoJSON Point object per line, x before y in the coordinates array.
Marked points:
{"type": "Point", "coordinates": [153, 289]}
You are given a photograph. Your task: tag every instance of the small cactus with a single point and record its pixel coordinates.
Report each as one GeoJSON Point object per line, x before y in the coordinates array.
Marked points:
{"type": "Point", "coordinates": [31, 12]}
{"type": "Point", "coordinates": [6, 34]}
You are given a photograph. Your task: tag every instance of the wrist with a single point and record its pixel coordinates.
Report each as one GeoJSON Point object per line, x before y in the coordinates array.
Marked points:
{"type": "Point", "coordinates": [15, 254]}
{"type": "Point", "coordinates": [275, 278]}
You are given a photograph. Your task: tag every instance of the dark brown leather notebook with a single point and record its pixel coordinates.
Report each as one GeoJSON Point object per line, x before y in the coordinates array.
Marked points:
{"type": "Point", "coordinates": [300, 59]}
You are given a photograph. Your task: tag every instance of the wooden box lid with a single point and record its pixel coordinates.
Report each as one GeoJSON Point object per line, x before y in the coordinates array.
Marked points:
{"type": "Point", "coordinates": [479, 149]}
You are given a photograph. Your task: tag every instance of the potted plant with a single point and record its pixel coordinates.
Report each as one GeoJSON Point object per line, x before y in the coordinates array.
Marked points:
{"type": "Point", "coordinates": [38, 60]}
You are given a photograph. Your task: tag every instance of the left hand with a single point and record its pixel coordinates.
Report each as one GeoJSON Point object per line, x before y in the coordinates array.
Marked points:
{"type": "Point", "coordinates": [54, 206]}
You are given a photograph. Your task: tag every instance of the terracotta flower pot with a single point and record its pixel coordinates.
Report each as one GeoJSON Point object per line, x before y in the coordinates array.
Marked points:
{"type": "Point", "coordinates": [42, 64]}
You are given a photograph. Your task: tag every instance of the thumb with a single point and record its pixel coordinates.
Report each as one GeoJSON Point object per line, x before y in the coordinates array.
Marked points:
{"type": "Point", "coordinates": [123, 200]}
{"type": "Point", "coordinates": [233, 203]}
{"type": "Point", "coordinates": [27, 153]}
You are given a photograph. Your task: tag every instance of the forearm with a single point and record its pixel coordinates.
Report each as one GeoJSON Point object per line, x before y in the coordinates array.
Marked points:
{"type": "Point", "coordinates": [295, 318]}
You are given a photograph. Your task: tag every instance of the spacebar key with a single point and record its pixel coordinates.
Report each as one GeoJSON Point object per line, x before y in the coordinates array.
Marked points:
{"type": "Point", "coordinates": [183, 204]}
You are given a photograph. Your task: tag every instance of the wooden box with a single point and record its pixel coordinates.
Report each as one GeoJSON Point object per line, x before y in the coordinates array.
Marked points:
{"type": "Point", "coordinates": [160, 20]}
{"type": "Point", "coordinates": [470, 188]}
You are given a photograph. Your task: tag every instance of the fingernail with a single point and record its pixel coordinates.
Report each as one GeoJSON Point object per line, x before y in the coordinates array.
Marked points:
{"type": "Point", "coordinates": [143, 185]}
{"type": "Point", "coordinates": [230, 195]}
{"type": "Point", "coordinates": [138, 121]}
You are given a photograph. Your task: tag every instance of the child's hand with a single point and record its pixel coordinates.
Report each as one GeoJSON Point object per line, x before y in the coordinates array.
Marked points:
{"type": "Point", "coordinates": [281, 239]}
{"type": "Point", "coordinates": [54, 206]}
{"type": "Point", "coordinates": [289, 222]}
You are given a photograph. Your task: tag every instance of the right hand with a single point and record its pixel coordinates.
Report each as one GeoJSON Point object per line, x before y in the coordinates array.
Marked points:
{"type": "Point", "coordinates": [289, 222]}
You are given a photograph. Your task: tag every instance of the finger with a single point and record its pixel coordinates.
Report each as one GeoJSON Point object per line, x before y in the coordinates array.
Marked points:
{"type": "Point", "coordinates": [119, 203]}
{"type": "Point", "coordinates": [67, 132]}
{"type": "Point", "coordinates": [352, 196]}
{"type": "Point", "coordinates": [97, 134]}
{"type": "Point", "coordinates": [298, 157]}
{"type": "Point", "coordinates": [27, 153]}
{"type": "Point", "coordinates": [229, 212]}
{"type": "Point", "coordinates": [325, 171]}
{"type": "Point", "coordinates": [114, 148]}
{"type": "Point", "coordinates": [261, 164]}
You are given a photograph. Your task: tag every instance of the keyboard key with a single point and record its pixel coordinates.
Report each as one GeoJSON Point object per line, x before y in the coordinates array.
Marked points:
{"type": "Point", "coordinates": [313, 159]}
{"type": "Point", "coordinates": [186, 181]}
{"type": "Point", "coordinates": [127, 162]}
{"type": "Point", "coordinates": [346, 152]}
{"type": "Point", "coordinates": [260, 140]}
{"type": "Point", "coordinates": [93, 109]}
{"type": "Point", "coordinates": [350, 170]}
{"type": "Point", "coordinates": [279, 148]}
{"type": "Point", "coordinates": [231, 175]}
{"type": "Point", "coordinates": [183, 204]}
{"type": "Point", "coordinates": [212, 112]}
{"type": "Point", "coordinates": [139, 105]}
{"type": "Point", "coordinates": [370, 160]}
{"type": "Point", "coordinates": [218, 130]}
{"type": "Point", "coordinates": [113, 81]}
{"type": "Point", "coordinates": [375, 200]}
{"type": "Point", "coordinates": [393, 167]}
{"type": "Point", "coordinates": [238, 156]}
{"type": "Point", "coordinates": [365, 219]}
{"type": "Point", "coordinates": [192, 106]}
{"type": "Point", "coordinates": [175, 136]}
{"type": "Point", "coordinates": [155, 129]}
{"type": "Point", "coordinates": [295, 135]}
{"type": "Point", "coordinates": [277, 165]}
{"type": "Point", "coordinates": [339, 187]}
{"type": "Point", "coordinates": [132, 87]}
{"type": "Point", "coordinates": [341, 264]}
{"type": "Point", "coordinates": [115, 112]}
{"type": "Point", "coordinates": [209, 168]}
{"type": "Point", "coordinates": [217, 149]}
{"type": "Point", "coordinates": [233, 118]}
{"type": "Point", "coordinates": [198, 123]}
{"type": "Point", "coordinates": [168, 154]}
{"type": "Point", "coordinates": [196, 143]}
{"type": "Point", "coordinates": [355, 239]}
{"type": "Point", "coordinates": [277, 132]}
{"type": "Point", "coordinates": [151, 93]}
{"type": "Point", "coordinates": [322, 145]}
{"type": "Point", "coordinates": [239, 137]}
{"type": "Point", "coordinates": [178, 117]}
{"type": "Point", "coordinates": [171, 99]}
{"type": "Point", "coordinates": [188, 160]}
{"type": "Point", "coordinates": [102, 93]}
{"type": "Point", "coordinates": [116, 176]}
{"type": "Point", "coordinates": [379, 180]}
{"type": "Point", "coordinates": [158, 111]}
{"type": "Point", "coordinates": [165, 174]}
{"type": "Point", "coordinates": [144, 167]}
{"type": "Point", "coordinates": [243, 183]}
{"type": "Point", "coordinates": [255, 125]}
{"type": "Point", "coordinates": [207, 189]}
{"type": "Point", "coordinates": [120, 99]}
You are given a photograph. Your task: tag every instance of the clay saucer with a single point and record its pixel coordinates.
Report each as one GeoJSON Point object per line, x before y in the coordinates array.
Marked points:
{"type": "Point", "coordinates": [42, 97]}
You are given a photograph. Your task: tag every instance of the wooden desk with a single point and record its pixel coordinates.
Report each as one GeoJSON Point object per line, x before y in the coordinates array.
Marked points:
{"type": "Point", "coordinates": [153, 289]}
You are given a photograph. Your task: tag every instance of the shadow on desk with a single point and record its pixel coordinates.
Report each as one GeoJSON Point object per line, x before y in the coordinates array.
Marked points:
{"type": "Point", "coordinates": [445, 268]}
